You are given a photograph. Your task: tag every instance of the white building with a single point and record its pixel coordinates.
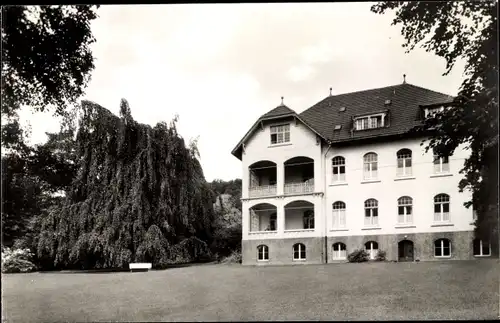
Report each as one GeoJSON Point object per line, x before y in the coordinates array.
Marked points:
{"type": "Point", "coordinates": [347, 174]}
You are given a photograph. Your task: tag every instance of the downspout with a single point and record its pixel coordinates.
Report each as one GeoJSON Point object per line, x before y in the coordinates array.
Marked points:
{"type": "Point", "coordinates": [324, 203]}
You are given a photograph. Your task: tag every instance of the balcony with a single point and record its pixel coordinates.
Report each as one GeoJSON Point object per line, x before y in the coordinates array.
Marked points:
{"type": "Point", "coordinates": [263, 218]}
{"type": "Point", "coordinates": [262, 179]}
{"type": "Point", "coordinates": [299, 176]}
{"type": "Point", "coordinates": [299, 216]}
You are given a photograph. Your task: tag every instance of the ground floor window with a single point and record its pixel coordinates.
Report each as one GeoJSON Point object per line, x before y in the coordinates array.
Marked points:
{"type": "Point", "coordinates": [372, 249]}
{"type": "Point", "coordinates": [299, 251]}
{"type": "Point", "coordinates": [339, 251]}
{"type": "Point", "coordinates": [442, 248]}
{"type": "Point", "coordinates": [481, 248]}
{"type": "Point", "coordinates": [263, 253]}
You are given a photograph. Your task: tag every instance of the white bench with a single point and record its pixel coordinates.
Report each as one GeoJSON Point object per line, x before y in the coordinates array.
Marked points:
{"type": "Point", "coordinates": [139, 266]}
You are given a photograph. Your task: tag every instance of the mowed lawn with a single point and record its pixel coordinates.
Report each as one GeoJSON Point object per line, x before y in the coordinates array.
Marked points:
{"type": "Point", "coordinates": [368, 291]}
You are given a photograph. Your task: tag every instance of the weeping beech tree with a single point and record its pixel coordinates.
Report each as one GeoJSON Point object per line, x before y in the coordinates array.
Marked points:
{"type": "Point", "coordinates": [139, 195]}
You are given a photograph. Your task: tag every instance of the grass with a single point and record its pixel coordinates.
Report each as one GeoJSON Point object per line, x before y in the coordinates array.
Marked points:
{"type": "Point", "coordinates": [367, 291]}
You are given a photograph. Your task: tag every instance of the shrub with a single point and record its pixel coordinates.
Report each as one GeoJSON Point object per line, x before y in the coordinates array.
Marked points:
{"type": "Point", "coordinates": [358, 256]}
{"type": "Point", "coordinates": [234, 258]}
{"type": "Point", "coordinates": [17, 261]}
{"type": "Point", "coordinates": [381, 256]}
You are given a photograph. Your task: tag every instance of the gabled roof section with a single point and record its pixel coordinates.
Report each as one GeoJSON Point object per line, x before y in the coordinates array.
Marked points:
{"type": "Point", "coordinates": [403, 111]}
{"type": "Point", "coordinates": [281, 111]}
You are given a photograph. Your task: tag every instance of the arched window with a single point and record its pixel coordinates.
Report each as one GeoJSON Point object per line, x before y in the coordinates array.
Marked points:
{"type": "Point", "coordinates": [272, 222]}
{"type": "Point", "coordinates": [404, 162]}
{"type": "Point", "coordinates": [338, 219]}
{"type": "Point", "coordinates": [299, 251]}
{"type": "Point", "coordinates": [481, 248]}
{"type": "Point", "coordinates": [442, 208]}
{"type": "Point", "coordinates": [372, 248]}
{"type": "Point", "coordinates": [338, 164]}
{"type": "Point", "coordinates": [370, 166]}
{"type": "Point", "coordinates": [339, 251]}
{"type": "Point", "coordinates": [442, 248]}
{"type": "Point", "coordinates": [405, 205]}
{"type": "Point", "coordinates": [263, 253]}
{"type": "Point", "coordinates": [309, 219]}
{"type": "Point", "coordinates": [371, 212]}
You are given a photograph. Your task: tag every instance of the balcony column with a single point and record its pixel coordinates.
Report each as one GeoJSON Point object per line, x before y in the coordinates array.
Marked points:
{"type": "Point", "coordinates": [280, 178]}
{"type": "Point", "coordinates": [318, 179]}
{"type": "Point", "coordinates": [280, 218]}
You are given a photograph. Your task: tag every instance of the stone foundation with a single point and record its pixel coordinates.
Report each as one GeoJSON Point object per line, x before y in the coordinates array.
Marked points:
{"type": "Point", "coordinates": [281, 250]}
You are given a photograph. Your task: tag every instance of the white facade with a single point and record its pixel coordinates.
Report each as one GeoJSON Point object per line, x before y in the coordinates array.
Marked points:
{"type": "Point", "coordinates": [422, 187]}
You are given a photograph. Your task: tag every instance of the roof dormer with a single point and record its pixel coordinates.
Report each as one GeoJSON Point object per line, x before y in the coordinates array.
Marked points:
{"type": "Point", "coordinates": [371, 121]}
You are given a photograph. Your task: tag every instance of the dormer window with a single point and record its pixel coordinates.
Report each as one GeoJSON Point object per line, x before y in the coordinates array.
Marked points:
{"type": "Point", "coordinates": [280, 134]}
{"type": "Point", "coordinates": [429, 112]}
{"type": "Point", "coordinates": [370, 122]}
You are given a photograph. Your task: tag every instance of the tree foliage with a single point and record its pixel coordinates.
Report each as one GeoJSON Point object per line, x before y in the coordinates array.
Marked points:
{"type": "Point", "coordinates": [138, 192]}
{"type": "Point", "coordinates": [46, 61]}
{"type": "Point", "coordinates": [467, 31]}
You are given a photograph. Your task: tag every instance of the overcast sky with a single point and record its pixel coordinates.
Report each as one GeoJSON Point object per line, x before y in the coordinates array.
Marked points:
{"type": "Point", "coordinates": [221, 66]}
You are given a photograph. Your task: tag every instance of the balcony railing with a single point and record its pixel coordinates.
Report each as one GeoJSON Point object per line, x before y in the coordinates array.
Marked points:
{"type": "Point", "coordinates": [266, 190]}
{"type": "Point", "coordinates": [299, 188]}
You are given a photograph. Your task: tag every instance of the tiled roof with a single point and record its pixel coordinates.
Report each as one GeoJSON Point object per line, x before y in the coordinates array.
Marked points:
{"type": "Point", "coordinates": [278, 111]}
{"type": "Point", "coordinates": [404, 111]}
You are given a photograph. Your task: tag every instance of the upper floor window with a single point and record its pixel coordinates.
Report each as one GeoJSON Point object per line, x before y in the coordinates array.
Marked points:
{"type": "Point", "coordinates": [309, 219]}
{"type": "Point", "coordinates": [441, 164]}
{"type": "Point", "coordinates": [338, 164]}
{"type": "Point", "coordinates": [299, 251]}
{"type": "Point", "coordinates": [369, 122]}
{"type": "Point", "coordinates": [371, 212]}
{"type": "Point", "coordinates": [404, 162]}
{"type": "Point", "coordinates": [405, 210]}
{"type": "Point", "coordinates": [442, 248]}
{"type": "Point", "coordinates": [370, 166]}
{"type": "Point", "coordinates": [442, 208]}
{"type": "Point", "coordinates": [481, 248]}
{"type": "Point", "coordinates": [280, 134]}
{"type": "Point", "coordinates": [338, 215]}
{"type": "Point", "coordinates": [263, 253]}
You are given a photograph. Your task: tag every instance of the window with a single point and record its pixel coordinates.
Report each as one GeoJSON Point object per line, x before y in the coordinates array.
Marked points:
{"type": "Point", "coordinates": [404, 162]}
{"type": "Point", "coordinates": [405, 210]}
{"type": "Point", "coordinates": [299, 252]}
{"type": "Point", "coordinates": [442, 208]}
{"type": "Point", "coordinates": [280, 134]}
{"type": "Point", "coordinates": [480, 248]}
{"type": "Point", "coordinates": [309, 219]}
{"type": "Point", "coordinates": [338, 164]}
{"type": "Point", "coordinates": [369, 122]}
{"type": "Point", "coordinates": [370, 166]}
{"type": "Point", "coordinates": [372, 248]}
{"type": "Point", "coordinates": [263, 253]}
{"type": "Point", "coordinates": [338, 215]}
{"type": "Point", "coordinates": [442, 248]}
{"type": "Point", "coordinates": [339, 251]}
{"type": "Point", "coordinates": [272, 222]}
{"type": "Point", "coordinates": [371, 212]}
{"type": "Point", "coordinates": [441, 165]}
{"type": "Point", "coordinates": [429, 112]}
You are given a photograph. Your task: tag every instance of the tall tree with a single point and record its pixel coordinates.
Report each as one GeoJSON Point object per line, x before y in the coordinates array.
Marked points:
{"type": "Point", "coordinates": [46, 61]}
{"type": "Point", "coordinates": [137, 194]}
{"type": "Point", "coordinates": [468, 31]}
